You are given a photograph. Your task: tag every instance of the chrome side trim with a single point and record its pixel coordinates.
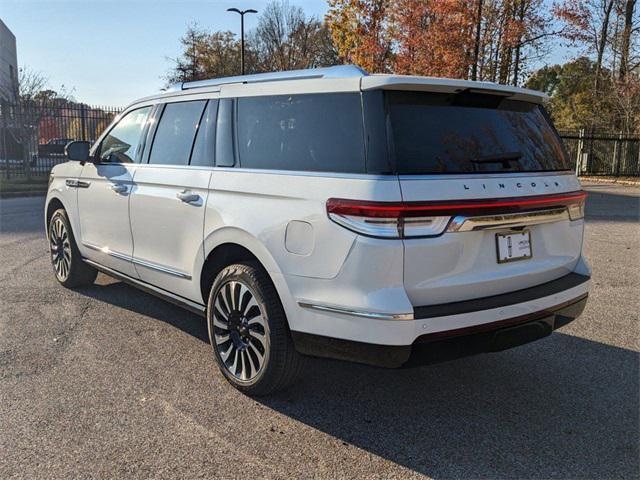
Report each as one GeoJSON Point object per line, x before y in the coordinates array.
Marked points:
{"type": "Point", "coordinates": [109, 252]}
{"type": "Point", "coordinates": [356, 313]}
{"type": "Point", "coordinates": [137, 261]}
{"type": "Point", "coordinates": [161, 268]}
{"type": "Point", "coordinates": [158, 292]}
{"type": "Point", "coordinates": [462, 223]}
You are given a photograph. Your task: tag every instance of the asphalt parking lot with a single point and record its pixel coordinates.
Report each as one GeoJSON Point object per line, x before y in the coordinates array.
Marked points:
{"type": "Point", "coordinates": [108, 381]}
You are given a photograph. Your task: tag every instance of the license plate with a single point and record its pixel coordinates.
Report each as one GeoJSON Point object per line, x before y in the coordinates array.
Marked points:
{"type": "Point", "coordinates": [513, 246]}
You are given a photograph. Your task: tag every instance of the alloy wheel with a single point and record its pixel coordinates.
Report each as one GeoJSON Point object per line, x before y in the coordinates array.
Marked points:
{"type": "Point", "coordinates": [60, 248]}
{"type": "Point", "coordinates": [240, 332]}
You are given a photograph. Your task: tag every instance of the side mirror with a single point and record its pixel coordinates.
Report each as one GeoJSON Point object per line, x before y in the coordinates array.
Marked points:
{"type": "Point", "coordinates": [78, 151]}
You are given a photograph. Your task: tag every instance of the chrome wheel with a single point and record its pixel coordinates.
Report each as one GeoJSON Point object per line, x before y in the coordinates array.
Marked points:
{"type": "Point", "coordinates": [60, 248]}
{"type": "Point", "coordinates": [240, 332]}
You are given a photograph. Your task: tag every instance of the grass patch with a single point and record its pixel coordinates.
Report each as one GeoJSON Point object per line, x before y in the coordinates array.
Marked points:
{"type": "Point", "coordinates": [22, 184]}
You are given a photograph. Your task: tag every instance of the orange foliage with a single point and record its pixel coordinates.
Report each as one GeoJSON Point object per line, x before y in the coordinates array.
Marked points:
{"type": "Point", "coordinates": [435, 37]}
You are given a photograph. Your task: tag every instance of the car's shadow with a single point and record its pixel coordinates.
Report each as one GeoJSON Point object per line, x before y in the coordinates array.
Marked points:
{"type": "Point", "coordinates": [563, 407]}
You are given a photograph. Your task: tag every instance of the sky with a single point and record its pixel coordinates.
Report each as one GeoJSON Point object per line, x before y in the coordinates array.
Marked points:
{"type": "Point", "coordinates": [110, 52]}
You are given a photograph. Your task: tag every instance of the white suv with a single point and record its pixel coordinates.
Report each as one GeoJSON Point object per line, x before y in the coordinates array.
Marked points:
{"type": "Point", "coordinates": [383, 219]}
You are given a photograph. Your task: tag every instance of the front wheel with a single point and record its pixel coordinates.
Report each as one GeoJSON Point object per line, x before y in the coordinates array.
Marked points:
{"type": "Point", "coordinates": [68, 266]}
{"type": "Point", "coordinates": [248, 331]}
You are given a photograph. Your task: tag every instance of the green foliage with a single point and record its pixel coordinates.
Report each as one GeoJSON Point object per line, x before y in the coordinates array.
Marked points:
{"type": "Point", "coordinates": [572, 104]}
{"type": "Point", "coordinates": [285, 39]}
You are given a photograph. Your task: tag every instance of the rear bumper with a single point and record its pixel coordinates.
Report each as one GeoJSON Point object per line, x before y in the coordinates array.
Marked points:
{"type": "Point", "coordinates": [450, 344]}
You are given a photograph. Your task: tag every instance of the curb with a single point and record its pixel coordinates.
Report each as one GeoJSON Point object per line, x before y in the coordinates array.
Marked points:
{"type": "Point", "coordinates": [23, 194]}
{"type": "Point", "coordinates": [618, 181]}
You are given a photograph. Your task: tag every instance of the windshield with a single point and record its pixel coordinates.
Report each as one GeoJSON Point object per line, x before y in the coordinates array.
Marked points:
{"type": "Point", "coordinates": [471, 133]}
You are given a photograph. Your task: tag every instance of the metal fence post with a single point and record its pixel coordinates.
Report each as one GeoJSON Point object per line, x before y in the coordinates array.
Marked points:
{"type": "Point", "coordinates": [617, 153]}
{"type": "Point", "coordinates": [579, 151]}
{"type": "Point", "coordinates": [83, 121]}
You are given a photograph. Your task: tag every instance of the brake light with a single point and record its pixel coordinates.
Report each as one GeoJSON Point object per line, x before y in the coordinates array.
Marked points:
{"type": "Point", "coordinates": [424, 219]}
{"type": "Point", "coordinates": [385, 219]}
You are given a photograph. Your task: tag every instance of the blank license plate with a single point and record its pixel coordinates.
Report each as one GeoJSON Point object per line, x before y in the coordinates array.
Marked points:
{"type": "Point", "coordinates": [513, 246]}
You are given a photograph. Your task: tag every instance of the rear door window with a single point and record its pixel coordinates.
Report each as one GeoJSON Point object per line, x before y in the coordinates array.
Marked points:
{"type": "Point", "coordinates": [311, 132]}
{"type": "Point", "coordinates": [176, 132]}
{"type": "Point", "coordinates": [203, 148]}
{"type": "Point", "coordinates": [471, 133]}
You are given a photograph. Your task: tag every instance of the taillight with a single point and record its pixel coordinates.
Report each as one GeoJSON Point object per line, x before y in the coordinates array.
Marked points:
{"type": "Point", "coordinates": [427, 219]}
{"type": "Point", "coordinates": [385, 219]}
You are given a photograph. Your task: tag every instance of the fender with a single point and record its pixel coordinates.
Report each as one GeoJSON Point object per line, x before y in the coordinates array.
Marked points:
{"type": "Point", "coordinates": [244, 239]}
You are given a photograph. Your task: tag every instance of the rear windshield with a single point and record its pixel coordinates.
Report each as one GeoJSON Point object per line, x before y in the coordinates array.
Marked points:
{"type": "Point", "coordinates": [471, 133]}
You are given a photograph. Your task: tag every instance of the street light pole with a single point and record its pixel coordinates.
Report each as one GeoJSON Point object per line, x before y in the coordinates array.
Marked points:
{"type": "Point", "coordinates": [242, 12]}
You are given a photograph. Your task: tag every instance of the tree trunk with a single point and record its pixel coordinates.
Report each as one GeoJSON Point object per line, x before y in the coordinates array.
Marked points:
{"type": "Point", "coordinates": [626, 38]}
{"type": "Point", "coordinates": [604, 33]}
{"type": "Point", "coordinates": [476, 48]}
{"type": "Point", "coordinates": [516, 62]}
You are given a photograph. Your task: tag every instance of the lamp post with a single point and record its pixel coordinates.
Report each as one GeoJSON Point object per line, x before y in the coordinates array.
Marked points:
{"type": "Point", "coordinates": [242, 12]}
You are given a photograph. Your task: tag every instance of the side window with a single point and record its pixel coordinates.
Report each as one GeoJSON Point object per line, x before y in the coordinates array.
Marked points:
{"type": "Point", "coordinates": [123, 141]}
{"type": "Point", "coordinates": [203, 154]}
{"type": "Point", "coordinates": [311, 132]}
{"type": "Point", "coordinates": [175, 133]}
{"type": "Point", "coordinates": [224, 134]}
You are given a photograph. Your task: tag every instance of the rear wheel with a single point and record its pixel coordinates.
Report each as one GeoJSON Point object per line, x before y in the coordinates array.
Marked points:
{"type": "Point", "coordinates": [66, 260]}
{"type": "Point", "coordinates": [248, 331]}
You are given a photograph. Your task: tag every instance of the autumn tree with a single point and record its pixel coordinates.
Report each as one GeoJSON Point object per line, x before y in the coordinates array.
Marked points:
{"type": "Point", "coordinates": [434, 37]}
{"type": "Point", "coordinates": [362, 32]}
{"type": "Point", "coordinates": [607, 31]}
{"type": "Point", "coordinates": [285, 39]}
{"type": "Point", "coordinates": [206, 55]}
{"type": "Point", "coordinates": [493, 40]}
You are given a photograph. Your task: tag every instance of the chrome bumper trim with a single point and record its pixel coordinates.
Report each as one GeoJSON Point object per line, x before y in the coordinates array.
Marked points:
{"type": "Point", "coordinates": [356, 313]}
{"type": "Point", "coordinates": [463, 223]}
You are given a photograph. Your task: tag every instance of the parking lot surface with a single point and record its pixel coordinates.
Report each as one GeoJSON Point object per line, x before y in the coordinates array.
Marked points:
{"type": "Point", "coordinates": [108, 381]}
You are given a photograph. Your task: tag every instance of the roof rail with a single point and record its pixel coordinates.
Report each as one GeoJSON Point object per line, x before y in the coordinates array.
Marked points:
{"type": "Point", "coordinates": [338, 71]}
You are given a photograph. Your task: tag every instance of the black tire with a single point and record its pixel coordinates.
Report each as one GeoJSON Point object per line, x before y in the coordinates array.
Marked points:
{"type": "Point", "coordinates": [69, 268]}
{"type": "Point", "coordinates": [264, 317]}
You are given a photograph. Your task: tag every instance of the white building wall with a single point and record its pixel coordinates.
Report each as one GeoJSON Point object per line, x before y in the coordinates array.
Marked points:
{"type": "Point", "coordinates": [8, 63]}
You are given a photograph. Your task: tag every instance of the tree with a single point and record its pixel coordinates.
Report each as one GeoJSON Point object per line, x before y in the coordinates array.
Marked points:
{"type": "Point", "coordinates": [493, 40]}
{"type": "Point", "coordinates": [630, 25]}
{"type": "Point", "coordinates": [35, 101]}
{"type": "Point", "coordinates": [206, 55]}
{"type": "Point", "coordinates": [434, 37]}
{"type": "Point", "coordinates": [286, 39]}
{"type": "Point", "coordinates": [569, 86]}
{"type": "Point", "coordinates": [361, 32]}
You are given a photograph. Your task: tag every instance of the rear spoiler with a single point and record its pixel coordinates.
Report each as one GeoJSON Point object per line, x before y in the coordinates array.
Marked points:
{"type": "Point", "coordinates": [448, 85]}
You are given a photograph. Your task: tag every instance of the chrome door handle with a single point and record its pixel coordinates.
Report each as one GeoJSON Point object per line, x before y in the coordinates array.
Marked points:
{"type": "Point", "coordinates": [188, 197]}
{"type": "Point", "coordinates": [75, 183]}
{"type": "Point", "coordinates": [118, 187]}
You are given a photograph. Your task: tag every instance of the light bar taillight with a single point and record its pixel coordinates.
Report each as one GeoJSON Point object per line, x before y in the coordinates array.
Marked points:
{"type": "Point", "coordinates": [423, 219]}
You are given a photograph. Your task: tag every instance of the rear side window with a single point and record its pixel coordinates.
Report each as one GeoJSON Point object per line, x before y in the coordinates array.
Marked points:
{"type": "Point", "coordinates": [203, 148]}
{"type": "Point", "coordinates": [469, 133]}
{"type": "Point", "coordinates": [313, 132]}
{"type": "Point", "coordinates": [176, 132]}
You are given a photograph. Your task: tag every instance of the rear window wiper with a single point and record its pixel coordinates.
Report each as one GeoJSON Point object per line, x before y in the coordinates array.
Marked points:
{"type": "Point", "coordinates": [503, 158]}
